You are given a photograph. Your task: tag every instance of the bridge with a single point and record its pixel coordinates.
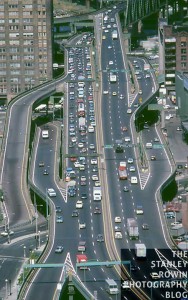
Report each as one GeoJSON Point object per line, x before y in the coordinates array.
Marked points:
{"type": "Point", "coordinates": [133, 10]}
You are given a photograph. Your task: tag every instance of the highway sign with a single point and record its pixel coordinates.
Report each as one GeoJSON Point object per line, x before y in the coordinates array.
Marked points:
{"type": "Point", "coordinates": [108, 146]}
{"type": "Point", "coordinates": [158, 146]}
{"type": "Point", "coordinates": [155, 107]}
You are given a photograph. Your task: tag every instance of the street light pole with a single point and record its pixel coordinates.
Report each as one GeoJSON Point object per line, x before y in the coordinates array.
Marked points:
{"type": "Point", "coordinates": [6, 288]}
{"type": "Point", "coordinates": [24, 248]}
{"type": "Point", "coordinates": [39, 238]}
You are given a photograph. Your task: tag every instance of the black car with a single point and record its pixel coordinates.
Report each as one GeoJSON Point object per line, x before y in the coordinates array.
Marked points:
{"type": "Point", "coordinates": [97, 210]}
{"type": "Point", "coordinates": [75, 213]}
{"type": "Point", "coordinates": [58, 209]}
{"type": "Point", "coordinates": [153, 157]}
{"type": "Point", "coordinates": [83, 196]}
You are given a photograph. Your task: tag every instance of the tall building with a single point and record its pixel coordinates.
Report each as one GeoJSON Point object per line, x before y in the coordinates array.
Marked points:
{"type": "Point", "coordinates": [173, 52]}
{"type": "Point", "coordinates": [25, 45]}
{"type": "Point", "coordinates": [182, 95]}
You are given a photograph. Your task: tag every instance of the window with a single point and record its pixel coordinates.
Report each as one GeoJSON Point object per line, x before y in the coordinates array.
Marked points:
{"type": "Point", "coordinates": [3, 65]}
{"type": "Point", "coordinates": [28, 64]}
{"type": "Point", "coordinates": [13, 13]}
{"type": "Point", "coordinates": [15, 72]}
{"type": "Point", "coordinates": [2, 27]}
{"type": "Point", "coordinates": [14, 50]}
{"type": "Point", "coordinates": [27, 13]}
{"type": "Point", "coordinates": [15, 65]}
{"type": "Point", "coordinates": [13, 27]}
{"type": "Point", "coordinates": [30, 50]}
{"type": "Point", "coordinates": [27, 20]}
{"type": "Point", "coordinates": [183, 44]}
{"type": "Point", "coordinates": [28, 42]}
{"type": "Point", "coordinates": [2, 57]}
{"type": "Point", "coordinates": [14, 57]}
{"type": "Point", "coordinates": [29, 57]}
{"type": "Point", "coordinates": [13, 6]}
{"type": "Point", "coordinates": [2, 35]}
{"type": "Point", "coordinates": [28, 27]}
{"type": "Point", "coordinates": [13, 20]}
{"type": "Point", "coordinates": [183, 51]}
{"type": "Point", "coordinates": [29, 72]}
{"type": "Point", "coordinates": [14, 42]}
{"type": "Point", "coordinates": [183, 65]}
{"type": "Point", "coordinates": [183, 57]}
{"type": "Point", "coordinates": [3, 79]}
{"type": "Point", "coordinates": [2, 50]}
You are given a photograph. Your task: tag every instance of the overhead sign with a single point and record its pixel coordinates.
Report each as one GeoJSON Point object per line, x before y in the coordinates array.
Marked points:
{"type": "Point", "coordinates": [155, 107]}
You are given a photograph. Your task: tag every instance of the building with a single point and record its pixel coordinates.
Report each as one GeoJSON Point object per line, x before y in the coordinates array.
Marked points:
{"type": "Point", "coordinates": [25, 45]}
{"type": "Point", "coordinates": [182, 95]}
{"type": "Point", "coordinates": [173, 52]}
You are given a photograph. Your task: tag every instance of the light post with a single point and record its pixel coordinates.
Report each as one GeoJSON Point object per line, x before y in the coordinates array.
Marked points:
{"type": "Point", "coordinates": [24, 248]}
{"type": "Point", "coordinates": [6, 288]}
{"type": "Point", "coordinates": [10, 287]}
{"type": "Point", "coordinates": [39, 238]}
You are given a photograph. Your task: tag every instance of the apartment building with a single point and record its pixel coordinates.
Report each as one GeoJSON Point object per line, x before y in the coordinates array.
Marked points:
{"type": "Point", "coordinates": [25, 45]}
{"type": "Point", "coordinates": [173, 52]}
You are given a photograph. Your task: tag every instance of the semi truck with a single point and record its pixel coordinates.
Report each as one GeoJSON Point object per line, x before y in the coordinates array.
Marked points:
{"type": "Point", "coordinates": [111, 286]}
{"type": "Point", "coordinates": [114, 34]}
{"type": "Point", "coordinates": [132, 228]}
{"type": "Point", "coordinates": [81, 258]}
{"type": "Point", "coordinates": [140, 250]}
{"type": "Point", "coordinates": [45, 134]}
{"type": "Point", "coordinates": [97, 194]}
{"type": "Point", "coordinates": [122, 170]}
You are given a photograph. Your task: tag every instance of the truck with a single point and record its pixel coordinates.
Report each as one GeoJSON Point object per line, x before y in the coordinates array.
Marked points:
{"type": "Point", "coordinates": [81, 258]}
{"type": "Point", "coordinates": [114, 34]}
{"type": "Point", "coordinates": [45, 134]}
{"type": "Point", "coordinates": [132, 228]}
{"type": "Point", "coordinates": [81, 110]}
{"type": "Point", "coordinates": [82, 123]}
{"type": "Point", "coordinates": [97, 194]}
{"type": "Point", "coordinates": [122, 172]}
{"type": "Point", "coordinates": [113, 77]}
{"type": "Point", "coordinates": [140, 250]}
{"type": "Point", "coordinates": [111, 286]}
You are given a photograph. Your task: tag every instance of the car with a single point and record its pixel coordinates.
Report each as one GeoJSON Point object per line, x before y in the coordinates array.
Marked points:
{"type": "Point", "coordinates": [76, 164]}
{"type": "Point", "coordinates": [7, 233]}
{"type": "Point", "coordinates": [80, 145]}
{"type": "Point", "coordinates": [137, 73]}
{"type": "Point", "coordinates": [154, 275]}
{"type": "Point", "coordinates": [58, 209]}
{"type": "Point", "coordinates": [91, 128]}
{"type": "Point", "coordinates": [59, 249]}
{"type": "Point", "coordinates": [156, 140]}
{"type": "Point", "coordinates": [180, 239]}
{"type": "Point", "coordinates": [140, 91]}
{"type": "Point", "coordinates": [100, 238]}
{"type": "Point", "coordinates": [139, 77]}
{"type": "Point", "coordinates": [127, 139]}
{"type": "Point", "coordinates": [130, 160]}
{"type": "Point", "coordinates": [134, 267]}
{"type": "Point", "coordinates": [45, 172]}
{"type": "Point", "coordinates": [114, 93]}
{"type": "Point", "coordinates": [94, 177]}
{"type": "Point", "coordinates": [109, 47]}
{"type": "Point", "coordinates": [146, 126]}
{"type": "Point", "coordinates": [93, 123]}
{"type": "Point", "coordinates": [83, 196]}
{"type": "Point", "coordinates": [105, 92]}
{"type": "Point", "coordinates": [145, 226]}
{"type": "Point", "coordinates": [73, 139]}
{"type": "Point", "coordinates": [41, 164]}
{"type": "Point", "coordinates": [83, 150]}
{"type": "Point", "coordinates": [153, 157]}
{"type": "Point", "coordinates": [170, 215]}
{"type": "Point", "coordinates": [132, 169]}
{"type": "Point", "coordinates": [129, 111]}
{"type": "Point", "coordinates": [125, 285]}
{"type": "Point", "coordinates": [104, 37]}
{"type": "Point", "coordinates": [179, 128]}
{"type": "Point", "coordinates": [95, 169]}
{"type": "Point", "coordinates": [111, 62]}
{"type": "Point", "coordinates": [97, 210]}
{"type": "Point", "coordinates": [97, 183]}
{"type": "Point", "coordinates": [79, 204]}
{"type": "Point", "coordinates": [147, 76]}
{"type": "Point", "coordinates": [117, 219]}
{"type": "Point", "coordinates": [125, 189]}
{"type": "Point", "coordinates": [91, 146]}
{"type": "Point", "coordinates": [93, 161]}
{"type": "Point", "coordinates": [176, 223]}
{"type": "Point", "coordinates": [168, 117]}
{"type": "Point", "coordinates": [71, 145]}
{"type": "Point", "coordinates": [82, 225]}
{"type": "Point", "coordinates": [51, 192]}
{"type": "Point", "coordinates": [75, 213]}
{"type": "Point", "coordinates": [136, 104]}
{"type": "Point", "coordinates": [59, 219]}
{"type": "Point", "coordinates": [83, 178]}
{"type": "Point", "coordinates": [121, 96]}
{"type": "Point", "coordinates": [139, 210]}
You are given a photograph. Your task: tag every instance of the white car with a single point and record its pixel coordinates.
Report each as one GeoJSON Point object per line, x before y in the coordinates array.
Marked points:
{"type": "Point", "coordinates": [114, 94]}
{"type": "Point", "coordinates": [118, 235]}
{"type": "Point", "coordinates": [97, 183]}
{"type": "Point", "coordinates": [117, 219]}
{"type": "Point", "coordinates": [129, 111]}
{"type": "Point", "coordinates": [95, 177]}
{"type": "Point", "coordinates": [80, 145]}
{"type": "Point", "coordinates": [130, 160]}
{"type": "Point", "coordinates": [147, 75]}
{"type": "Point", "coordinates": [91, 128]}
{"type": "Point", "coordinates": [91, 146]}
{"type": "Point", "coordinates": [154, 275]}
{"type": "Point", "coordinates": [79, 204]}
{"type": "Point", "coordinates": [93, 161]}
{"type": "Point", "coordinates": [111, 62]}
{"type": "Point", "coordinates": [76, 164]}
{"type": "Point", "coordinates": [82, 225]}
{"type": "Point", "coordinates": [51, 192]}
{"type": "Point", "coordinates": [168, 117]}
{"type": "Point", "coordinates": [127, 139]}
{"type": "Point", "coordinates": [121, 96]}
{"type": "Point", "coordinates": [73, 139]}
{"type": "Point", "coordinates": [93, 123]}
{"type": "Point", "coordinates": [132, 169]}
{"type": "Point", "coordinates": [105, 92]}
{"type": "Point", "coordinates": [140, 92]}
{"type": "Point", "coordinates": [6, 233]}
{"type": "Point", "coordinates": [109, 47]}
